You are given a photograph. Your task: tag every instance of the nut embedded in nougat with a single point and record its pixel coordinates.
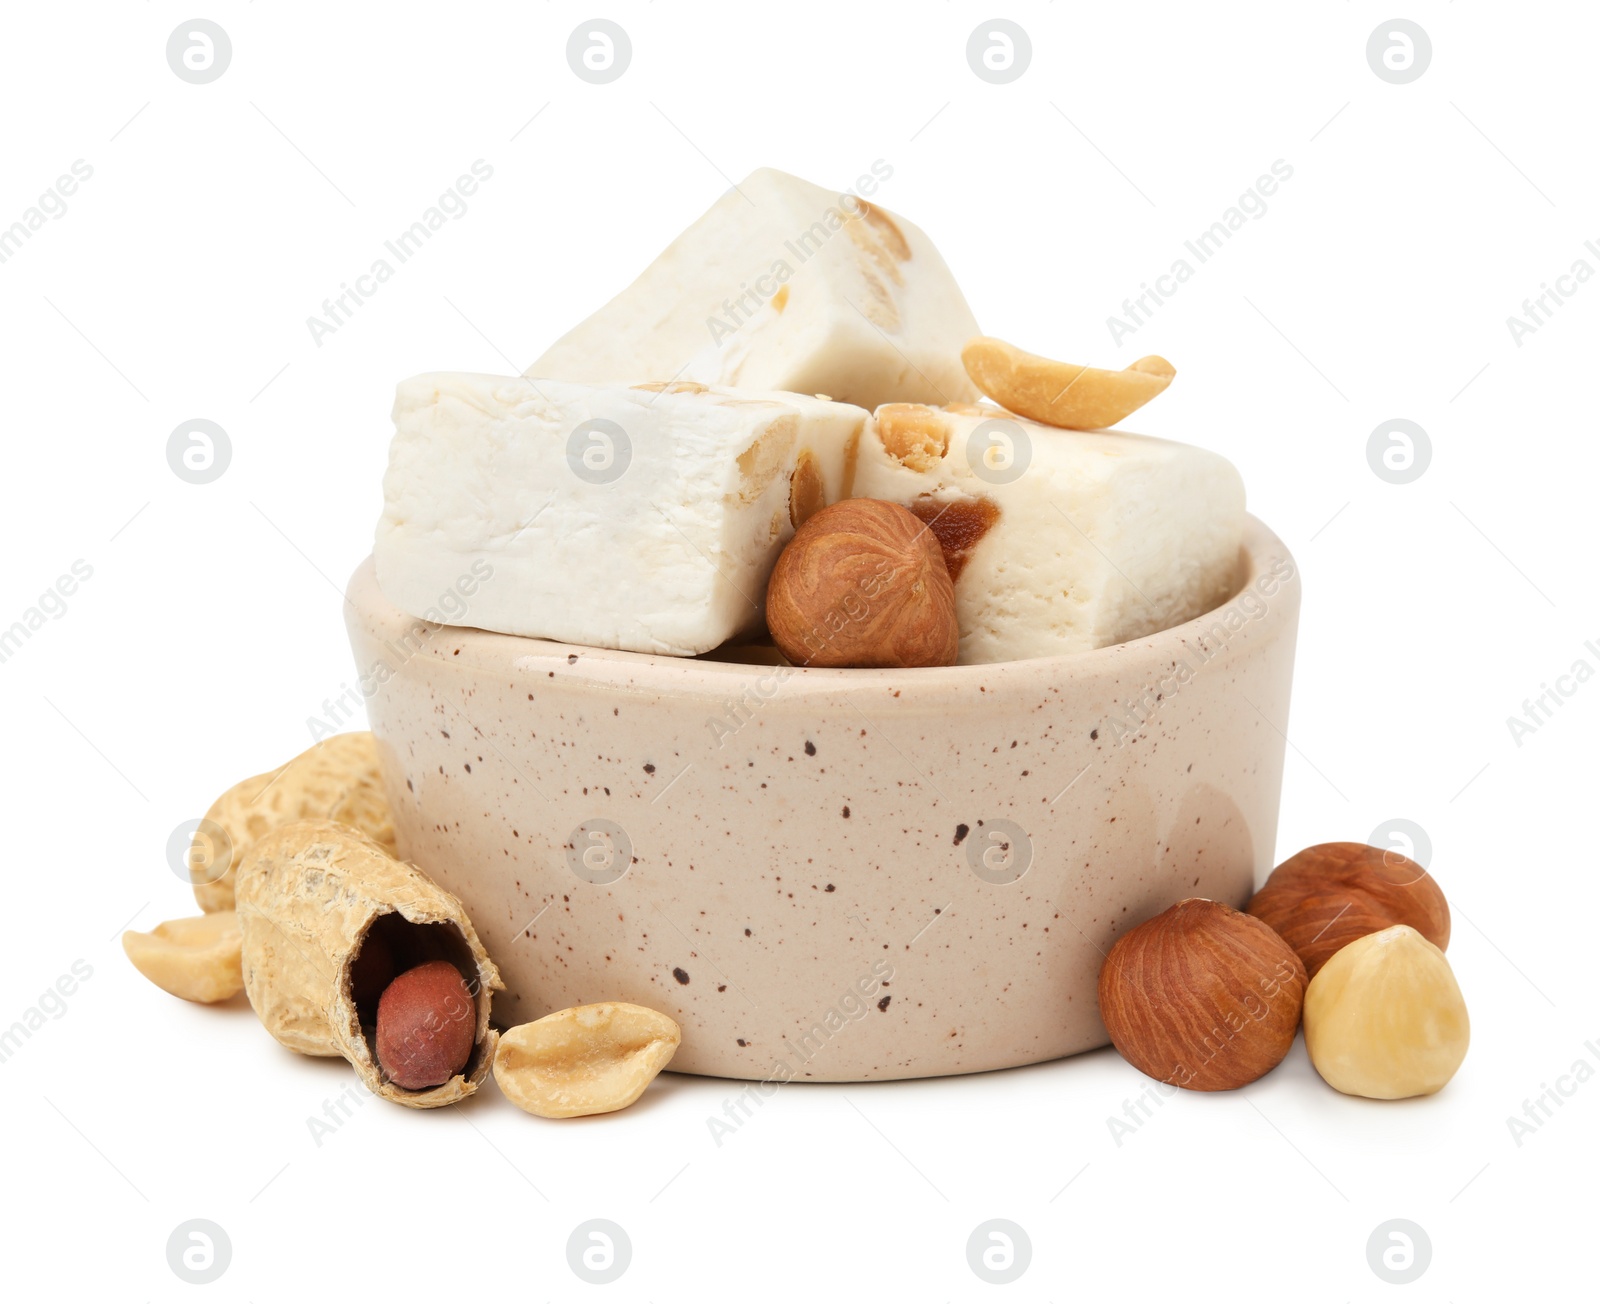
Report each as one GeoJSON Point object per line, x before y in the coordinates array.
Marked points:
{"type": "Point", "coordinates": [863, 584]}
{"type": "Point", "coordinates": [681, 473]}
{"type": "Point", "coordinates": [915, 434]}
{"type": "Point", "coordinates": [832, 295]}
{"type": "Point", "coordinates": [1089, 539]}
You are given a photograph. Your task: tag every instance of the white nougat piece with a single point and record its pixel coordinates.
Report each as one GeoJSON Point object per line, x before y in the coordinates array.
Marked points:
{"type": "Point", "coordinates": [1102, 537]}
{"type": "Point", "coordinates": [784, 285]}
{"type": "Point", "coordinates": [498, 515]}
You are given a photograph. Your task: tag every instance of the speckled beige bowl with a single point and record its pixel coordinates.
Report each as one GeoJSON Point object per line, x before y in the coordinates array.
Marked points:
{"type": "Point", "coordinates": [816, 872]}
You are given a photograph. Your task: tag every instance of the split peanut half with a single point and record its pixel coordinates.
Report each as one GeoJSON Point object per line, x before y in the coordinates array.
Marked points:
{"type": "Point", "coordinates": [591, 1059]}
{"type": "Point", "coordinates": [197, 959]}
{"type": "Point", "coordinates": [1059, 393]}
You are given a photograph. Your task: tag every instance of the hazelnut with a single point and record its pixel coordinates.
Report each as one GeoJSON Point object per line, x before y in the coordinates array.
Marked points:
{"type": "Point", "coordinates": [863, 583]}
{"type": "Point", "coordinates": [1202, 996]}
{"type": "Point", "coordinates": [1327, 896]}
{"type": "Point", "coordinates": [1385, 1019]}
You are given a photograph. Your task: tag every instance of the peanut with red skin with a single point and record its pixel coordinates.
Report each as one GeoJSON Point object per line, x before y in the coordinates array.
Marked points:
{"type": "Point", "coordinates": [426, 1022]}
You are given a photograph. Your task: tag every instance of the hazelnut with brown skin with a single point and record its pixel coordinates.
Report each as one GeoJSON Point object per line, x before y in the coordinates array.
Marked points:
{"type": "Point", "coordinates": [863, 583]}
{"type": "Point", "coordinates": [1202, 996]}
{"type": "Point", "coordinates": [1329, 895]}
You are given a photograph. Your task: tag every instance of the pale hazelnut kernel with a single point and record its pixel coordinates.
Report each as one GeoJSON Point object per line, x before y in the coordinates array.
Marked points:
{"type": "Point", "coordinates": [1384, 1017]}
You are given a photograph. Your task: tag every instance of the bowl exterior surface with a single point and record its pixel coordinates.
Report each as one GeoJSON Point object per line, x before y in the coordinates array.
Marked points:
{"type": "Point", "coordinates": [832, 875]}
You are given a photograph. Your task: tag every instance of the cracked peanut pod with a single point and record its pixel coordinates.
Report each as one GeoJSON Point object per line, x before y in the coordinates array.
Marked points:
{"type": "Point", "coordinates": [196, 958]}
{"type": "Point", "coordinates": [335, 779]}
{"type": "Point", "coordinates": [313, 897]}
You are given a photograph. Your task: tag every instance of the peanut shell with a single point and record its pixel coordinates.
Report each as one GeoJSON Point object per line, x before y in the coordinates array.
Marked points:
{"type": "Point", "coordinates": [336, 779]}
{"type": "Point", "coordinates": [310, 896]}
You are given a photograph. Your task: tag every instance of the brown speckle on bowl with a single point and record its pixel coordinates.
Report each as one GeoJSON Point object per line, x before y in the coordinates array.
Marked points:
{"type": "Point", "coordinates": [1002, 981]}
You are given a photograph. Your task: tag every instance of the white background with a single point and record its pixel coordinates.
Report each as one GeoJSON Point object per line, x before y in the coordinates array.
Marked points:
{"type": "Point", "coordinates": [1377, 285]}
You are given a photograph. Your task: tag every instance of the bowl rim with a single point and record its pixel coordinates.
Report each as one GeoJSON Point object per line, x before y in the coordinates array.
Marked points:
{"type": "Point", "coordinates": [465, 646]}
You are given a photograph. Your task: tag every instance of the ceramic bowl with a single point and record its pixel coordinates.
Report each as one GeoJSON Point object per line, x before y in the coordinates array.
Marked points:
{"type": "Point", "coordinates": [833, 875]}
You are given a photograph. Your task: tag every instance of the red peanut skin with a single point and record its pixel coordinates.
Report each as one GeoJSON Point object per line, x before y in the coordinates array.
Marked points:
{"type": "Point", "coordinates": [427, 1022]}
{"type": "Point", "coordinates": [1327, 896]}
